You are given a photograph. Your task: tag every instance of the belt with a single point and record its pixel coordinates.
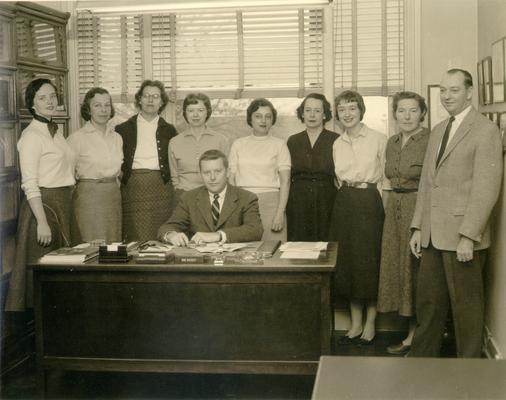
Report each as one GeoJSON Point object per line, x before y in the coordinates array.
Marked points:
{"type": "Point", "coordinates": [404, 190]}
{"type": "Point", "coordinates": [360, 185]}
{"type": "Point", "coordinates": [312, 178]}
{"type": "Point", "coordinates": [99, 180]}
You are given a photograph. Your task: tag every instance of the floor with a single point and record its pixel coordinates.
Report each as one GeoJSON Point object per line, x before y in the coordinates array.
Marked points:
{"type": "Point", "coordinates": [87, 385]}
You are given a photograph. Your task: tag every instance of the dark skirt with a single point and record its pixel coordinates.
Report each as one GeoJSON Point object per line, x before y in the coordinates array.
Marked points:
{"type": "Point", "coordinates": [57, 204]}
{"type": "Point", "coordinates": [309, 209]}
{"type": "Point", "coordinates": [357, 225]}
{"type": "Point", "coordinates": [147, 204]}
{"type": "Point", "coordinates": [98, 210]}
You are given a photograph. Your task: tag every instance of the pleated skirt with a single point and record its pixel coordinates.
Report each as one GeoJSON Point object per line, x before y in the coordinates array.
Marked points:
{"type": "Point", "coordinates": [57, 203]}
{"type": "Point", "coordinates": [147, 203]}
{"type": "Point", "coordinates": [357, 225]}
{"type": "Point", "coordinates": [98, 210]}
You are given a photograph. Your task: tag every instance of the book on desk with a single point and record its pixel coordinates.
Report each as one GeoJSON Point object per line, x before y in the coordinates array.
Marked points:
{"type": "Point", "coordinates": [70, 255]}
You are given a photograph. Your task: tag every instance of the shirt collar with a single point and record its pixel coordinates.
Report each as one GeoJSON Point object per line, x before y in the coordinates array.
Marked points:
{"type": "Point", "coordinates": [362, 132]}
{"type": "Point", "coordinates": [90, 128]}
{"type": "Point", "coordinates": [207, 131]}
{"type": "Point", "coordinates": [460, 116]}
{"type": "Point", "coordinates": [143, 120]}
{"type": "Point", "coordinates": [221, 194]}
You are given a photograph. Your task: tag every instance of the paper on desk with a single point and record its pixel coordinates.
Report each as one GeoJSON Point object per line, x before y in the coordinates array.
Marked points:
{"type": "Point", "coordinates": [304, 246]}
{"type": "Point", "coordinates": [301, 254]}
{"type": "Point", "coordinates": [220, 248]}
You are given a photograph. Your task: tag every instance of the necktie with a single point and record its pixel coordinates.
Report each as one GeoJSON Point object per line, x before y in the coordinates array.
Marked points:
{"type": "Point", "coordinates": [51, 126]}
{"type": "Point", "coordinates": [215, 209]}
{"type": "Point", "coordinates": [444, 142]}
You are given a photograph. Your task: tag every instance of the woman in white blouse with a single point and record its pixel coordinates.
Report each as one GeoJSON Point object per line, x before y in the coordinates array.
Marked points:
{"type": "Point", "coordinates": [99, 154]}
{"type": "Point", "coordinates": [357, 221]}
{"type": "Point", "coordinates": [46, 219]}
{"type": "Point", "coordinates": [261, 164]}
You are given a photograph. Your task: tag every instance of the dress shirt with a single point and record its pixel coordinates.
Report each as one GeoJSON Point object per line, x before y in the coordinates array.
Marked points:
{"type": "Point", "coordinates": [184, 153]}
{"type": "Point", "coordinates": [256, 160]}
{"type": "Point", "coordinates": [362, 158]}
{"type": "Point", "coordinates": [146, 154]}
{"type": "Point", "coordinates": [403, 165]}
{"type": "Point", "coordinates": [455, 125]}
{"type": "Point", "coordinates": [45, 161]}
{"type": "Point", "coordinates": [98, 155]}
{"type": "Point", "coordinates": [221, 199]}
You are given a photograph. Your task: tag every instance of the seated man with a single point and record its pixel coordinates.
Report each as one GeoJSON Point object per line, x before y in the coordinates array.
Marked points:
{"type": "Point", "coordinates": [215, 212]}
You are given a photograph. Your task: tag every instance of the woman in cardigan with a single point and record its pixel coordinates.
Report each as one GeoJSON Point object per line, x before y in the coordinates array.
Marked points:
{"type": "Point", "coordinates": [99, 154]}
{"type": "Point", "coordinates": [46, 220]}
{"type": "Point", "coordinates": [147, 192]}
{"type": "Point", "coordinates": [312, 190]}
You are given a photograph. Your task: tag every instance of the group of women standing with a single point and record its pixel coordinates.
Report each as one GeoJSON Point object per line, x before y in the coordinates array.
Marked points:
{"type": "Point", "coordinates": [316, 186]}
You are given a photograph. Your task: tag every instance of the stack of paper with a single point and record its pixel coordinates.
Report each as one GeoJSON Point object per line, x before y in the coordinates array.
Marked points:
{"type": "Point", "coordinates": [70, 255]}
{"type": "Point", "coordinates": [302, 250]}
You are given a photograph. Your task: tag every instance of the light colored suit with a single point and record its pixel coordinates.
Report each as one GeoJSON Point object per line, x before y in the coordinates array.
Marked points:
{"type": "Point", "coordinates": [239, 215]}
{"type": "Point", "coordinates": [455, 199]}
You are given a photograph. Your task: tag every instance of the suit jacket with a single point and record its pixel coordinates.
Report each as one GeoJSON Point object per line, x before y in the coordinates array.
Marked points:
{"type": "Point", "coordinates": [456, 198]}
{"type": "Point", "coordinates": [239, 215]}
{"type": "Point", "coordinates": [128, 132]}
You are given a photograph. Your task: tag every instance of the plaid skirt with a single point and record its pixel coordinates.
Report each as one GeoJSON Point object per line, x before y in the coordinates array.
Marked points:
{"type": "Point", "coordinates": [147, 203]}
{"type": "Point", "coordinates": [57, 204]}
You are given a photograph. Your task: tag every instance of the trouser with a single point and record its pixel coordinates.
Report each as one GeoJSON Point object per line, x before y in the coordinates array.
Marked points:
{"type": "Point", "coordinates": [443, 281]}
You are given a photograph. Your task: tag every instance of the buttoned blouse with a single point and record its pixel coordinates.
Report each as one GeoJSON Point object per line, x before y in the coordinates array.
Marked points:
{"type": "Point", "coordinates": [403, 165]}
{"type": "Point", "coordinates": [361, 158]}
{"type": "Point", "coordinates": [98, 155]}
{"type": "Point", "coordinates": [256, 161]}
{"type": "Point", "coordinates": [184, 152]}
{"type": "Point", "coordinates": [45, 161]}
{"type": "Point", "coordinates": [146, 153]}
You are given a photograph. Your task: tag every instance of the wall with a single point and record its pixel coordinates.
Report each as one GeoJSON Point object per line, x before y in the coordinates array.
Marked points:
{"type": "Point", "coordinates": [491, 27]}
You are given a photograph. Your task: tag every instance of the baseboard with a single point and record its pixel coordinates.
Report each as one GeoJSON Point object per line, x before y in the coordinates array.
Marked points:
{"type": "Point", "coordinates": [490, 347]}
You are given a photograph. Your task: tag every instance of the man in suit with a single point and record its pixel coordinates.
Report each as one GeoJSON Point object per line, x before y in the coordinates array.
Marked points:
{"type": "Point", "coordinates": [216, 212]}
{"type": "Point", "coordinates": [459, 186]}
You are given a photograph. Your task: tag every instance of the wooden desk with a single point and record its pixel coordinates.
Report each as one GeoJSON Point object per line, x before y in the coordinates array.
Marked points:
{"type": "Point", "coordinates": [270, 318]}
{"type": "Point", "coordinates": [368, 378]}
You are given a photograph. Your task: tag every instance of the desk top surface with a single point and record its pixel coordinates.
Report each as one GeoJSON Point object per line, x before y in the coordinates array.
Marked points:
{"type": "Point", "coordinates": [409, 378]}
{"type": "Point", "coordinates": [325, 263]}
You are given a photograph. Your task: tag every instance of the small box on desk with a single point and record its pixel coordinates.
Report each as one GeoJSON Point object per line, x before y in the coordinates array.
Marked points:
{"type": "Point", "coordinates": [115, 253]}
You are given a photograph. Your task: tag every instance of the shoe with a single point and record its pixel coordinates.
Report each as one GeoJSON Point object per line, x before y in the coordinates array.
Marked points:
{"type": "Point", "coordinates": [398, 349]}
{"type": "Point", "coordinates": [365, 342]}
{"type": "Point", "coordinates": [346, 340]}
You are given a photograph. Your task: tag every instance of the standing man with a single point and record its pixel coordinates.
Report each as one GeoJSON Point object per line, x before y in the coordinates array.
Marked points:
{"type": "Point", "coordinates": [459, 186]}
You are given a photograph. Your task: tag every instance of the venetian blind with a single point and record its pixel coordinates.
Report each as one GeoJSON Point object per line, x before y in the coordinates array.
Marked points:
{"type": "Point", "coordinates": [369, 46]}
{"type": "Point", "coordinates": [110, 54]}
{"type": "Point", "coordinates": [229, 52]}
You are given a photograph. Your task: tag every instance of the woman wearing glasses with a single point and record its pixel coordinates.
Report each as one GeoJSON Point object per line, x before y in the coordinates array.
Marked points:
{"type": "Point", "coordinates": [147, 192]}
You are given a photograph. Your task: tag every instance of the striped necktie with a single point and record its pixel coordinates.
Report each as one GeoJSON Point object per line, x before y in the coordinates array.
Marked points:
{"type": "Point", "coordinates": [215, 209]}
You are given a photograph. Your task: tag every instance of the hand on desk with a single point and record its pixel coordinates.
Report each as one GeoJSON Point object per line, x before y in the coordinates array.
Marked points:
{"type": "Point", "coordinates": [180, 239]}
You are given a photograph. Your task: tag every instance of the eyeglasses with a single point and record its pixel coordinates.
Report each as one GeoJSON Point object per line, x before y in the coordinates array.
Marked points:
{"type": "Point", "coordinates": [151, 96]}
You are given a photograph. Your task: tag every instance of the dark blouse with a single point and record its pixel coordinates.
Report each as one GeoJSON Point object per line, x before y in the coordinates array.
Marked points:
{"type": "Point", "coordinates": [404, 164]}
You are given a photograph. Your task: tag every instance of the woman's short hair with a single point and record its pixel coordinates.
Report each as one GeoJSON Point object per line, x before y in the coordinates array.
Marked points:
{"type": "Point", "coordinates": [350, 96]}
{"type": "Point", "coordinates": [85, 107]}
{"type": "Point", "coordinates": [409, 95]}
{"type": "Point", "coordinates": [213, 155]}
{"type": "Point", "coordinates": [159, 85]}
{"type": "Point", "coordinates": [193, 98]}
{"type": "Point", "coordinates": [32, 89]}
{"type": "Point", "coordinates": [255, 105]}
{"type": "Point", "coordinates": [327, 110]}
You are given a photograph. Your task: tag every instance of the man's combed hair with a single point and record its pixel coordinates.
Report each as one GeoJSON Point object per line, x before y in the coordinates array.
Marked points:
{"type": "Point", "coordinates": [213, 155]}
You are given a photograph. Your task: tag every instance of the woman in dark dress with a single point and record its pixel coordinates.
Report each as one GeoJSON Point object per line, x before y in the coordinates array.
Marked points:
{"type": "Point", "coordinates": [312, 189]}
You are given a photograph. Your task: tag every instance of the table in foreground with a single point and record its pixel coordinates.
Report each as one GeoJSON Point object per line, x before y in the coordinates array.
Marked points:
{"type": "Point", "coordinates": [368, 378]}
{"type": "Point", "coordinates": [271, 318]}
